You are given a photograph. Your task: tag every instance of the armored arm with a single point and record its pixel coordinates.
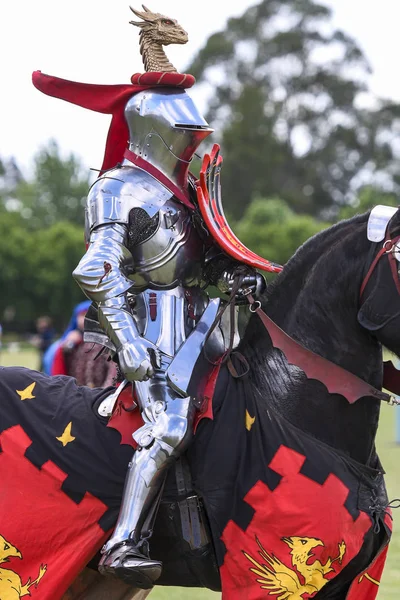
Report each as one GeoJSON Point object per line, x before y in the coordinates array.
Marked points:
{"type": "Point", "coordinates": [102, 274]}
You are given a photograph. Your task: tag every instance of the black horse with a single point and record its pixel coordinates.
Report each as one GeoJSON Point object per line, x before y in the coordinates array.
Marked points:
{"type": "Point", "coordinates": [286, 471]}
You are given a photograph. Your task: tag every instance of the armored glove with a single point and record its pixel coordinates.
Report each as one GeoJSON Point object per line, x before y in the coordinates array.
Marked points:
{"type": "Point", "coordinates": [137, 359]}
{"type": "Point", "coordinates": [243, 280]}
{"type": "Point", "coordinates": [137, 356]}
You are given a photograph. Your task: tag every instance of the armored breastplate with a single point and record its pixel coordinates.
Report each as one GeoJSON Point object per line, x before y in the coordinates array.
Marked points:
{"type": "Point", "coordinates": [166, 248]}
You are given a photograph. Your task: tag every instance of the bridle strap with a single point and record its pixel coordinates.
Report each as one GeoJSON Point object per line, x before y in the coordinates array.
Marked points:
{"type": "Point", "coordinates": [394, 266]}
{"type": "Point", "coordinates": [387, 249]}
{"type": "Point", "coordinates": [377, 258]}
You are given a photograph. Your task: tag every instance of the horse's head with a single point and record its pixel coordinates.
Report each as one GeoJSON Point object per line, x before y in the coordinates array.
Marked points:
{"type": "Point", "coordinates": [379, 311]}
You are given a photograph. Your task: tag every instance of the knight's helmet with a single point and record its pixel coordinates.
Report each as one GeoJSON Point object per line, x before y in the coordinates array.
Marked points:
{"type": "Point", "coordinates": [165, 129]}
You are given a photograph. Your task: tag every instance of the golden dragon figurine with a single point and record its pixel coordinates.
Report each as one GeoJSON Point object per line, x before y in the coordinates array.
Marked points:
{"type": "Point", "coordinates": [157, 31]}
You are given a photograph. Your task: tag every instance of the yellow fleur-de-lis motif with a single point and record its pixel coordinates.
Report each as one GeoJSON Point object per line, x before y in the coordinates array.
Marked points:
{"type": "Point", "coordinates": [66, 436]}
{"type": "Point", "coordinates": [249, 421]}
{"type": "Point", "coordinates": [26, 394]}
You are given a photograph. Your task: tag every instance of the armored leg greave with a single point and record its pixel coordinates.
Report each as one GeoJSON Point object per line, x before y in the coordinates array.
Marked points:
{"type": "Point", "coordinates": [163, 437]}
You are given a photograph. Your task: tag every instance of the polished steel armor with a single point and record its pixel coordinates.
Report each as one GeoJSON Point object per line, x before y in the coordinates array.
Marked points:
{"type": "Point", "coordinates": [149, 300]}
{"type": "Point", "coordinates": [113, 196]}
{"type": "Point", "coordinates": [166, 129]}
{"type": "Point", "coordinates": [144, 270]}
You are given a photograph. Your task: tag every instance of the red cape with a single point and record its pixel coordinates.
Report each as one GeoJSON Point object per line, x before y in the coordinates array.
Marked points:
{"type": "Point", "coordinates": [109, 99]}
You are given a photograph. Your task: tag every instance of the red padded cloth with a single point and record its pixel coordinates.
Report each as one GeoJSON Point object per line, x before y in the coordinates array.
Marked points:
{"type": "Point", "coordinates": [109, 99]}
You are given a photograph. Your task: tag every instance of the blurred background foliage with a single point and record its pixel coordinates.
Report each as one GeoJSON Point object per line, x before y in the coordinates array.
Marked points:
{"type": "Point", "coordinates": [289, 101]}
{"type": "Point", "coordinates": [304, 143]}
{"type": "Point", "coordinates": [41, 238]}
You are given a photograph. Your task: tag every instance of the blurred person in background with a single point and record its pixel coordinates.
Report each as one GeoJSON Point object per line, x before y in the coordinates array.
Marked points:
{"type": "Point", "coordinates": [44, 337]}
{"type": "Point", "coordinates": [71, 356]}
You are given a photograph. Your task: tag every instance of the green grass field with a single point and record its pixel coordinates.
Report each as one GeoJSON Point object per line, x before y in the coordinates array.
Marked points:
{"type": "Point", "coordinates": [390, 456]}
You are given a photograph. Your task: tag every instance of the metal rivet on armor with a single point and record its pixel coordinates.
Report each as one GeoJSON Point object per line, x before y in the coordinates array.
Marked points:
{"type": "Point", "coordinates": [145, 440]}
{"type": "Point", "coordinates": [159, 407]}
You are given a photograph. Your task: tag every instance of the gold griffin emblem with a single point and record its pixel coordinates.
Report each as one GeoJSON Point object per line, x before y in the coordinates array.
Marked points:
{"type": "Point", "coordinates": [275, 576]}
{"type": "Point", "coordinates": [11, 585]}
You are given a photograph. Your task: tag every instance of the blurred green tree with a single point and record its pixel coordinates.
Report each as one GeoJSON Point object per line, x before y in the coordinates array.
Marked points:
{"type": "Point", "coordinates": [35, 277]}
{"type": "Point", "coordinates": [288, 104]}
{"type": "Point", "coordinates": [55, 252]}
{"type": "Point", "coordinates": [270, 228]}
{"type": "Point", "coordinates": [15, 273]}
{"type": "Point", "coordinates": [10, 178]}
{"type": "Point", "coordinates": [367, 198]}
{"type": "Point", "coordinates": [41, 237]}
{"type": "Point", "coordinates": [57, 191]}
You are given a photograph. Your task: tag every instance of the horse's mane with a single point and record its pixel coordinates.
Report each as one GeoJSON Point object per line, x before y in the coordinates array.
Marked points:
{"type": "Point", "coordinates": [298, 268]}
{"type": "Point", "coordinates": [312, 288]}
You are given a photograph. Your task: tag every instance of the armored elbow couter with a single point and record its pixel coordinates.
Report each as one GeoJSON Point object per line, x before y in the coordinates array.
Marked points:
{"type": "Point", "coordinates": [101, 273]}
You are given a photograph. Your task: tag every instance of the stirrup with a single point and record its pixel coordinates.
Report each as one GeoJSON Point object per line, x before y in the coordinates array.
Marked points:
{"type": "Point", "coordinates": [131, 563]}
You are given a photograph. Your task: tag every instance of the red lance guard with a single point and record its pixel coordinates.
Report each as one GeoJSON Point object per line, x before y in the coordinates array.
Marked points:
{"type": "Point", "coordinates": [209, 198]}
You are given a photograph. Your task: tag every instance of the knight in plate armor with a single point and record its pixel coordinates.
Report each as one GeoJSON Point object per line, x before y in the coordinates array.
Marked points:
{"type": "Point", "coordinates": [149, 258]}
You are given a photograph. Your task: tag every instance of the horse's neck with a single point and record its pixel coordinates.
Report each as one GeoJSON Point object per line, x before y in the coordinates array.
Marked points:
{"type": "Point", "coordinates": [324, 320]}
{"type": "Point", "coordinates": [322, 312]}
{"type": "Point", "coordinates": [322, 315]}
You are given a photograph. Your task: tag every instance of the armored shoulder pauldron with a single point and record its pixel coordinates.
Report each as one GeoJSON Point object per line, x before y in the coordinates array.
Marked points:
{"type": "Point", "coordinates": [114, 195]}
